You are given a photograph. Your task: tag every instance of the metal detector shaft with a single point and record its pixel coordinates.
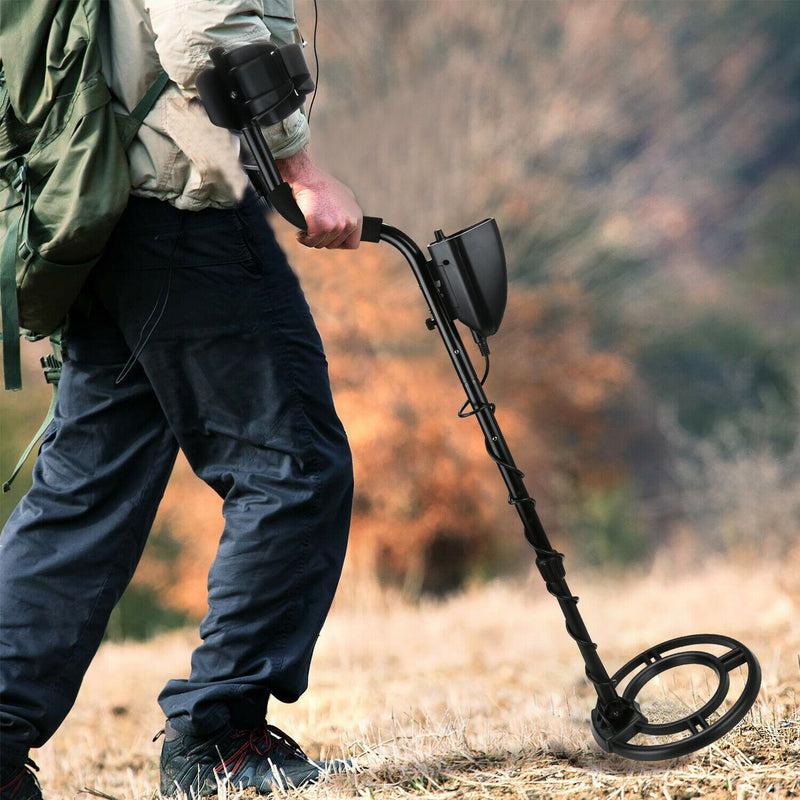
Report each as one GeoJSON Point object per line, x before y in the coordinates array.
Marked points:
{"type": "Point", "coordinates": [261, 84]}
{"type": "Point", "coordinates": [549, 561]}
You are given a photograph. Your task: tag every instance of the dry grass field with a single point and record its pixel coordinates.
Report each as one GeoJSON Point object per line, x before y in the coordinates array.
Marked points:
{"type": "Point", "coordinates": [478, 695]}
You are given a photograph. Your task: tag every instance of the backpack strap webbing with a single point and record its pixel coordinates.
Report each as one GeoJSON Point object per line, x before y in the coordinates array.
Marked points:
{"type": "Point", "coordinates": [145, 105]}
{"type": "Point", "coordinates": [12, 368]}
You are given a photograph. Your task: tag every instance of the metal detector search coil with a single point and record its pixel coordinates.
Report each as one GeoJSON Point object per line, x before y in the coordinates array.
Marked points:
{"type": "Point", "coordinates": [466, 281]}
{"type": "Point", "coordinates": [698, 727]}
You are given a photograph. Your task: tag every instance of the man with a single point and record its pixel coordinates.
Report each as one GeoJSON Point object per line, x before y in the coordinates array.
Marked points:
{"type": "Point", "coordinates": [192, 332]}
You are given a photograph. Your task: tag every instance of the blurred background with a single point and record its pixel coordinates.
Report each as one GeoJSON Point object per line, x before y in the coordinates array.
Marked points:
{"type": "Point", "coordinates": [641, 160]}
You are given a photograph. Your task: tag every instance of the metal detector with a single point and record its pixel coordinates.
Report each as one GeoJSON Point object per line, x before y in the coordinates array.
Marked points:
{"type": "Point", "coordinates": [465, 280]}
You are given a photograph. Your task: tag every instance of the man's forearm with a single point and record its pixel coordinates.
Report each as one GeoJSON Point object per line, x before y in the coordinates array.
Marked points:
{"type": "Point", "coordinates": [296, 167]}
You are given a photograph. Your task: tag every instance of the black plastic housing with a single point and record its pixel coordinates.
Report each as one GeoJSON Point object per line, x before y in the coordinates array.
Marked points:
{"type": "Point", "coordinates": [255, 82]}
{"type": "Point", "coordinates": [471, 269]}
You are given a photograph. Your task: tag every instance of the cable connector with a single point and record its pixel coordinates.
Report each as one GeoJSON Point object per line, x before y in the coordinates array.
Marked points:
{"type": "Point", "coordinates": [483, 345]}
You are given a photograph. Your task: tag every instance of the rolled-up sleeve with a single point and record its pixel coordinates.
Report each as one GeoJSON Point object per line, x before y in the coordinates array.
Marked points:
{"type": "Point", "coordinates": [288, 137]}
{"type": "Point", "coordinates": [186, 31]}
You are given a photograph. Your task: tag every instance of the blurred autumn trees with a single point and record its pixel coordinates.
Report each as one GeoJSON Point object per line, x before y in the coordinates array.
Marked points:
{"type": "Point", "coordinates": [641, 159]}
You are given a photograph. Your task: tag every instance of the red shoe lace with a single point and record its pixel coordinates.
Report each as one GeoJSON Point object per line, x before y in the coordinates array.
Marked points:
{"type": "Point", "coordinates": [263, 740]}
{"type": "Point", "coordinates": [13, 786]}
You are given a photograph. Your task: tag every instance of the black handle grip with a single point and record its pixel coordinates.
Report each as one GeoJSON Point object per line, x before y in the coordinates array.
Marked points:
{"type": "Point", "coordinates": [282, 200]}
{"type": "Point", "coordinates": [371, 229]}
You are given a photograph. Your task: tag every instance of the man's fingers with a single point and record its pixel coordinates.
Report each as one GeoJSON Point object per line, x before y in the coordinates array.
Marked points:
{"type": "Point", "coordinates": [337, 235]}
{"type": "Point", "coordinates": [353, 241]}
{"type": "Point", "coordinates": [318, 239]}
{"type": "Point", "coordinates": [348, 239]}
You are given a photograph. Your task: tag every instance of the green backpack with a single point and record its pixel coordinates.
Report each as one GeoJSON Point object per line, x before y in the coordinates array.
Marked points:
{"type": "Point", "coordinates": [64, 178]}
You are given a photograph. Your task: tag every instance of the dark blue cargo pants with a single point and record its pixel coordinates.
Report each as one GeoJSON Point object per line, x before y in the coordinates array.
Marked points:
{"type": "Point", "coordinates": [234, 374]}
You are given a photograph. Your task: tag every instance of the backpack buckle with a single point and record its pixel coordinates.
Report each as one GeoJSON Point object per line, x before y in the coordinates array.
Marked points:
{"type": "Point", "coordinates": [20, 178]}
{"type": "Point", "coordinates": [51, 367]}
{"type": "Point", "coordinates": [25, 251]}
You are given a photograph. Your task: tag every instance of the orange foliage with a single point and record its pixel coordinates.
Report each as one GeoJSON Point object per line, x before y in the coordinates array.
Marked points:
{"type": "Point", "coordinates": [192, 512]}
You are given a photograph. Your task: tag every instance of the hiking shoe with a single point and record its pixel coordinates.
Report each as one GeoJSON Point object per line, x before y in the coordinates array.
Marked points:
{"type": "Point", "coordinates": [259, 759]}
{"type": "Point", "coordinates": [19, 783]}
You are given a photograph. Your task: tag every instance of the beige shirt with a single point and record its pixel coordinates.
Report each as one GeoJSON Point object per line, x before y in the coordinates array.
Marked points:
{"type": "Point", "coordinates": [178, 155]}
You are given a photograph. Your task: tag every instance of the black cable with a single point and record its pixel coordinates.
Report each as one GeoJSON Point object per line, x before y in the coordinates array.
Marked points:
{"type": "Point", "coordinates": [316, 62]}
{"type": "Point", "coordinates": [461, 413]}
{"type": "Point", "coordinates": [464, 414]}
{"type": "Point", "coordinates": [158, 310]}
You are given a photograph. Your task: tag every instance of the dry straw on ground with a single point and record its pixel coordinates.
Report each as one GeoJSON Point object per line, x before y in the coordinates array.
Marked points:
{"type": "Point", "coordinates": [479, 695]}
